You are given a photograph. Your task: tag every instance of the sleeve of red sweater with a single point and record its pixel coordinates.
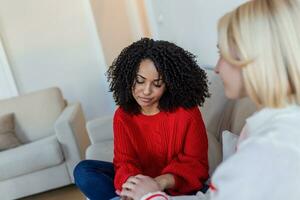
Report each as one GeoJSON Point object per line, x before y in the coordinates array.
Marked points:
{"type": "Point", "coordinates": [125, 162]}
{"type": "Point", "coordinates": [190, 167]}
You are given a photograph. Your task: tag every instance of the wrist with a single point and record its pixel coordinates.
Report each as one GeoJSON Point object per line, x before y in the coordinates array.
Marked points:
{"type": "Point", "coordinates": [162, 183]}
{"type": "Point", "coordinates": [165, 181]}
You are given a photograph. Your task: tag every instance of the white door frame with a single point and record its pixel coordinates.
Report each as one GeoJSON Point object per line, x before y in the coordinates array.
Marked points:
{"type": "Point", "coordinates": [8, 86]}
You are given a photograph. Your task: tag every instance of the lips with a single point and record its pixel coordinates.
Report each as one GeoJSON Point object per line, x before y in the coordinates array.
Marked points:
{"type": "Point", "coordinates": [146, 100]}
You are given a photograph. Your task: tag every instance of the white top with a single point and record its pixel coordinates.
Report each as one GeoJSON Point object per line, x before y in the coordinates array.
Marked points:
{"type": "Point", "coordinates": [267, 162]}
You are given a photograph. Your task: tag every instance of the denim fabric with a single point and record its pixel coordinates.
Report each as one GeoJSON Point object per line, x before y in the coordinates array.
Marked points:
{"type": "Point", "coordinates": [95, 179]}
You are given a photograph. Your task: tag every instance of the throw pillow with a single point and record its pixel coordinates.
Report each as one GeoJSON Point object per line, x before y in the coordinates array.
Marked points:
{"type": "Point", "coordinates": [229, 143]}
{"type": "Point", "coordinates": [8, 138]}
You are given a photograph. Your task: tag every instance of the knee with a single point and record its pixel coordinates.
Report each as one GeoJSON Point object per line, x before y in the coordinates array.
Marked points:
{"type": "Point", "coordinates": [80, 172]}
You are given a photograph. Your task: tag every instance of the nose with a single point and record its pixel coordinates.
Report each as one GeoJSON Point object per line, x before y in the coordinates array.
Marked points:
{"type": "Point", "coordinates": [147, 89]}
{"type": "Point", "coordinates": [216, 69]}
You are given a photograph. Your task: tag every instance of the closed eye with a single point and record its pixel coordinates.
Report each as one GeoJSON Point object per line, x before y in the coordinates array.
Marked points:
{"type": "Point", "coordinates": [139, 81]}
{"type": "Point", "coordinates": [158, 83]}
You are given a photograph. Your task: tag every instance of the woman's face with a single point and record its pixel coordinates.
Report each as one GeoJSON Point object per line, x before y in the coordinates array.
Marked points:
{"type": "Point", "coordinates": [148, 87]}
{"type": "Point", "coordinates": [232, 79]}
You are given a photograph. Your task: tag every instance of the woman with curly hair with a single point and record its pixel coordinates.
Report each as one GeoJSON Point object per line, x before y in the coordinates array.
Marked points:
{"type": "Point", "coordinates": [259, 46]}
{"type": "Point", "coordinates": [160, 141]}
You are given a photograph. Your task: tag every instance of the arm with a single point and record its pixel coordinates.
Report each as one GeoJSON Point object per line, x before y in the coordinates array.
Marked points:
{"type": "Point", "coordinates": [258, 170]}
{"type": "Point", "coordinates": [190, 166]}
{"type": "Point", "coordinates": [125, 158]}
{"type": "Point", "coordinates": [72, 135]}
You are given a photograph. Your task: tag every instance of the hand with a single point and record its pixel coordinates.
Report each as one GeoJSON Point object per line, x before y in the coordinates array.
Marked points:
{"type": "Point", "coordinates": [118, 192]}
{"type": "Point", "coordinates": [138, 186]}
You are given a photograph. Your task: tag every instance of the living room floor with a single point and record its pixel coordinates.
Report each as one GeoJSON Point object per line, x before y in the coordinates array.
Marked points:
{"type": "Point", "coordinates": [65, 193]}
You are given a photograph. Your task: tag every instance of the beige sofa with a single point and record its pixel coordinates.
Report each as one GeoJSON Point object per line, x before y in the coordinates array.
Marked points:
{"type": "Point", "coordinates": [218, 112]}
{"type": "Point", "coordinates": [53, 137]}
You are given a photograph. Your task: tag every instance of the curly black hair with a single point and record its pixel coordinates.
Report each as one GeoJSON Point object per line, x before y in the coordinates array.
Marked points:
{"type": "Point", "coordinates": [186, 82]}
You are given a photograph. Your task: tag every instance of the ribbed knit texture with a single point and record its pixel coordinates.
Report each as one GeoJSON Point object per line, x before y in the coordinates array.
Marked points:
{"type": "Point", "coordinates": [167, 142]}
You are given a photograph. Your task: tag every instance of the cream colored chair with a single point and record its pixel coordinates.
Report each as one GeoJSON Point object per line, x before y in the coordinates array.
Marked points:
{"type": "Point", "coordinates": [218, 113]}
{"type": "Point", "coordinates": [53, 137]}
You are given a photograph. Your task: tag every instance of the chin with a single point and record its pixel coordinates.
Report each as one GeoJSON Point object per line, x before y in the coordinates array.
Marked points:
{"type": "Point", "coordinates": [143, 104]}
{"type": "Point", "coordinates": [232, 95]}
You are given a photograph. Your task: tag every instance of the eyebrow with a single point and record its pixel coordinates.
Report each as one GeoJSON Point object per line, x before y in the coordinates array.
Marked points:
{"type": "Point", "coordinates": [146, 78]}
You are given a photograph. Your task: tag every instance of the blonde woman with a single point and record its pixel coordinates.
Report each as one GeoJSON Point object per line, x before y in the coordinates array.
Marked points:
{"type": "Point", "coordinates": [259, 46]}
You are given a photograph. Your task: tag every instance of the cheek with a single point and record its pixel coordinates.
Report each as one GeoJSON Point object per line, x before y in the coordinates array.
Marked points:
{"type": "Point", "coordinates": [136, 89]}
{"type": "Point", "coordinates": [159, 92]}
{"type": "Point", "coordinates": [235, 85]}
{"type": "Point", "coordinates": [227, 72]}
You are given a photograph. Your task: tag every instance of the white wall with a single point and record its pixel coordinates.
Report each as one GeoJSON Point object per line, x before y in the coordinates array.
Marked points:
{"type": "Point", "coordinates": [55, 43]}
{"type": "Point", "coordinates": [7, 83]}
{"type": "Point", "coordinates": [191, 24]}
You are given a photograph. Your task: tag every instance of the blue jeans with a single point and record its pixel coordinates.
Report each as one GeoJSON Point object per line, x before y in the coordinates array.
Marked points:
{"type": "Point", "coordinates": [95, 179]}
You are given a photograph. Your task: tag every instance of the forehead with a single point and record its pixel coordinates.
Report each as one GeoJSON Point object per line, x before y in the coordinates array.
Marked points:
{"type": "Point", "coordinates": [148, 70]}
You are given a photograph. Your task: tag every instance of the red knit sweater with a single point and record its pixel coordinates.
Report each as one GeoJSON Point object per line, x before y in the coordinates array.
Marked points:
{"type": "Point", "coordinates": [167, 142]}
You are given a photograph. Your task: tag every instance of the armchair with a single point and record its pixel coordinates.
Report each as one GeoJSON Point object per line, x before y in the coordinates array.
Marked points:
{"type": "Point", "coordinates": [53, 137]}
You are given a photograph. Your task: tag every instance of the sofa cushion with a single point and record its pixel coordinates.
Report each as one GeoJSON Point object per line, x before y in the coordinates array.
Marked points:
{"type": "Point", "coordinates": [30, 157]}
{"type": "Point", "coordinates": [8, 138]}
{"type": "Point", "coordinates": [100, 151]}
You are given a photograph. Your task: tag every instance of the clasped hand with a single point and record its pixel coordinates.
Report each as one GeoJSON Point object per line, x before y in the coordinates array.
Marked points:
{"type": "Point", "coordinates": [137, 186]}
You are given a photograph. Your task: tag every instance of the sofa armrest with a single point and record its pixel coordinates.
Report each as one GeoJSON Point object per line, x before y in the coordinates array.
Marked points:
{"type": "Point", "coordinates": [100, 129]}
{"type": "Point", "coordinates": [72, 135]}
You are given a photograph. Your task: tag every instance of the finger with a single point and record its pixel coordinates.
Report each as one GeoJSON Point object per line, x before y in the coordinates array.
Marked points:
{"type": "Point", "coordinates": [129, 186]}
{"type": "Point", "coordinates": [127, 193]}
{"type": "Point", "coordinates": [140, 176]}
{"type": "Point", "coordinates": [133, 180]}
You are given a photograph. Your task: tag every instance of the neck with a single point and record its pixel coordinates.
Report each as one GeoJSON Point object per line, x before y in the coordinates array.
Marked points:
{"type": "Point", "coordinates": [150, 111]}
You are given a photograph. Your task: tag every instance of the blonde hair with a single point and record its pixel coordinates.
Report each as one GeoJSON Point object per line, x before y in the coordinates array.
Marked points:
{"type": "Point", "coordinates": [265, 34]}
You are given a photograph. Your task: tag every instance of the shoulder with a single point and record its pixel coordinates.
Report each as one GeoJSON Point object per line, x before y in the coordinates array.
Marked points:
{"type": "Point", "coordinates": [121, 115]}
{"type": "Point", "coordinates": [188, 113]}
{"type": "Point", "coordinates": [186, 116]}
